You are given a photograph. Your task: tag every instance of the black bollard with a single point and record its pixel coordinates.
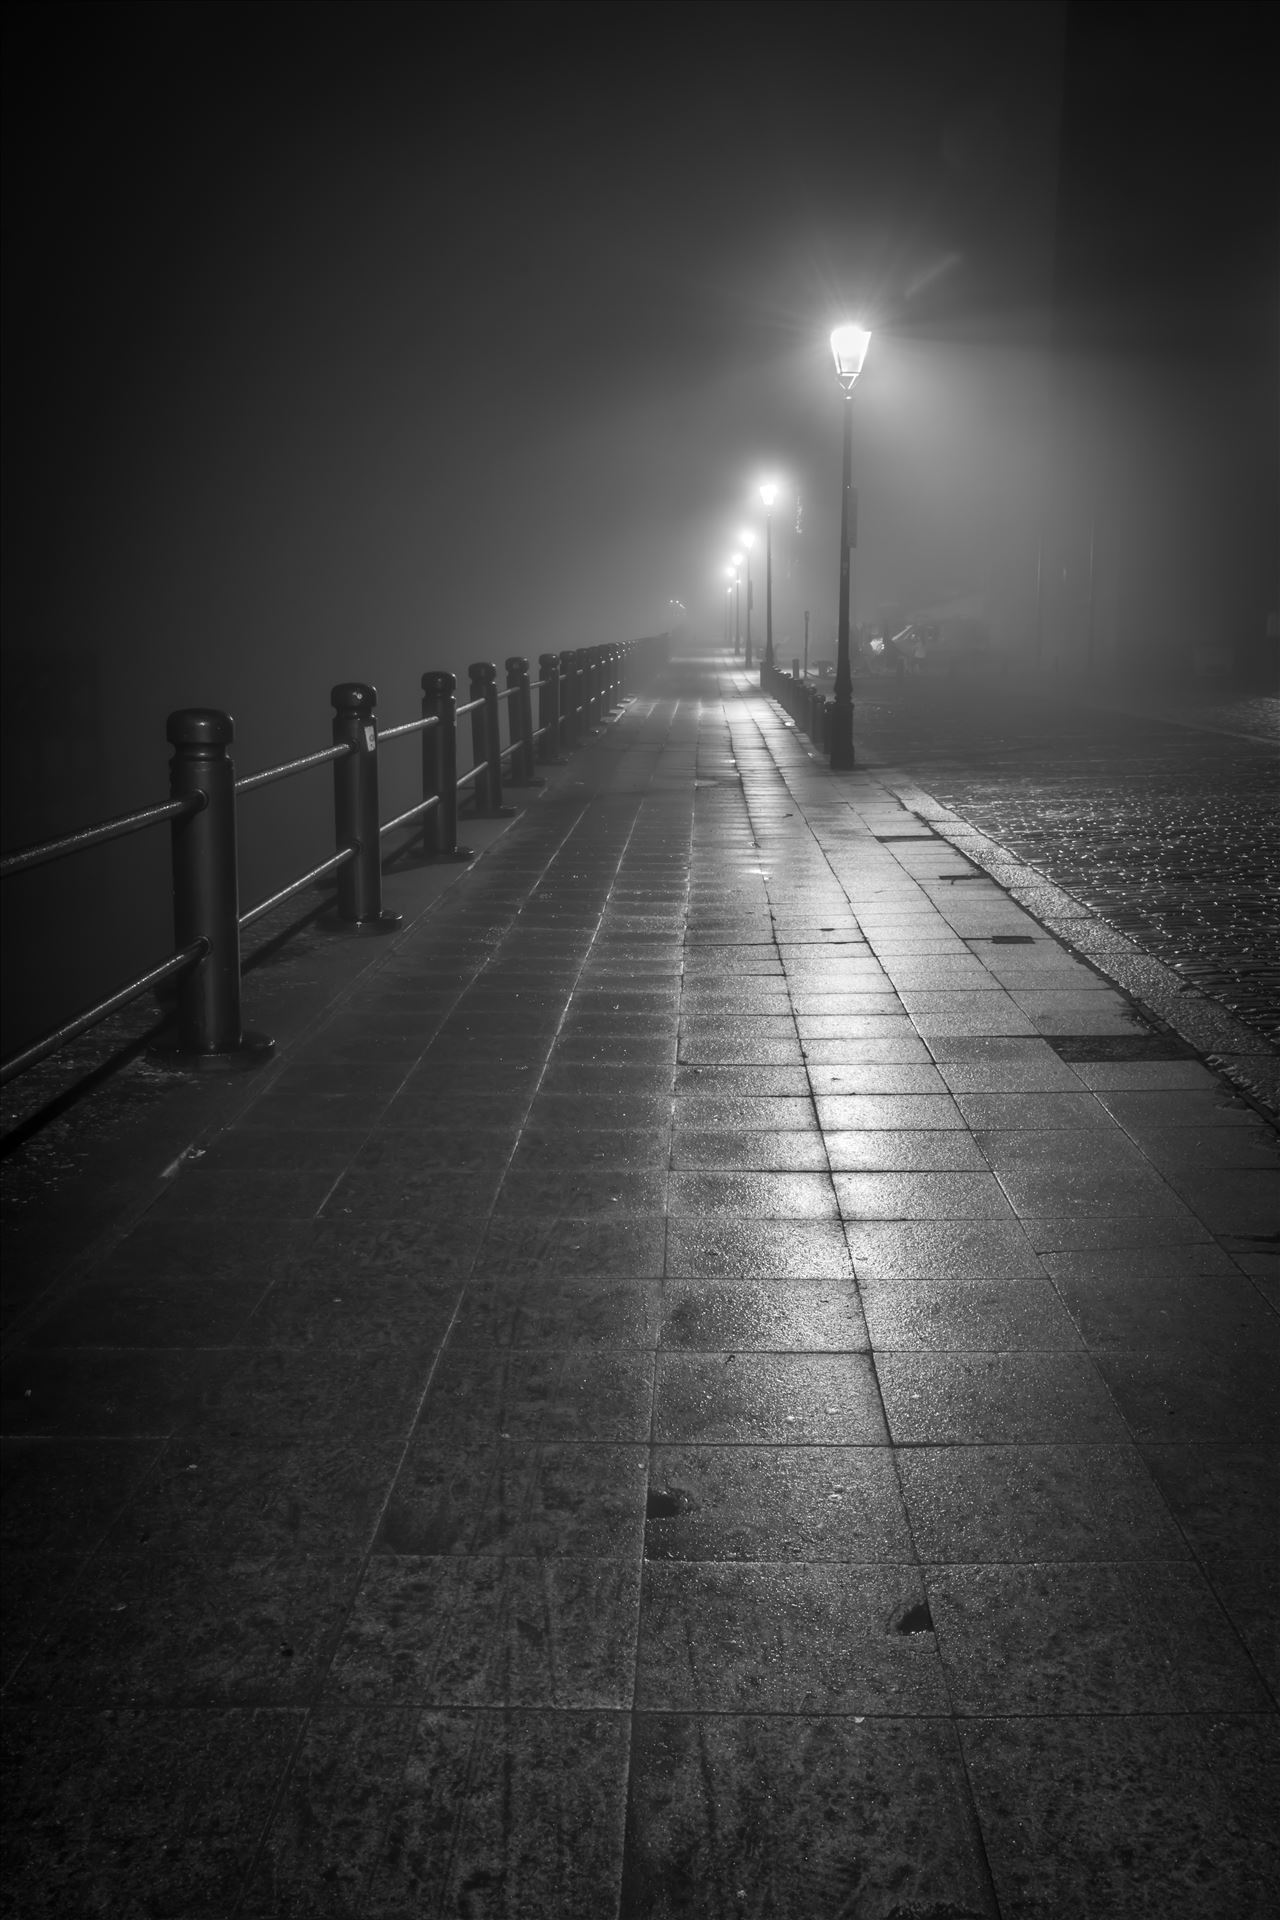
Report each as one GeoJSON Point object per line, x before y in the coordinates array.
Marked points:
{"type": "Point", "coordinates": [485, 742]}
{"type": "Point", "coordinates": [206, 894]}
{"type": "Point", "coordinates": [571, 724]}
{"type": "Point", "coordinates": [520, 723]}
{"type": "Point", "coordinates": [355, 807]}
{"type": "Point", "coordinates": [549, 707]}
{"type": "Point", "coordinates": [440, 765]}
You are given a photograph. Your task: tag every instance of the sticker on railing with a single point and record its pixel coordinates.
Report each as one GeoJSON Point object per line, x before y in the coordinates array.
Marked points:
{"type": "Point", "coordinates": [370, 740]}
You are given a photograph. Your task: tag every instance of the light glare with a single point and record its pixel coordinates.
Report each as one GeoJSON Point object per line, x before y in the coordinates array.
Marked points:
{"type": "Point", "coordinates": [849, 349]}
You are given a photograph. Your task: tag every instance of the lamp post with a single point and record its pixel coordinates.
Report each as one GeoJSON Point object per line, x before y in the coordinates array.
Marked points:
{"type": "Point", "coordinates": [735, 565]}
{"type": "Point", "coordinates": [849, 350]}
{"type": "Point", "coordinates": [768, 493]}
{"type": "Point", "coordinates": [747, 540]}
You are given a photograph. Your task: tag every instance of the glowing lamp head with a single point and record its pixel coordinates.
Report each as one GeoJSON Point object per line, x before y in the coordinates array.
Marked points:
{"type": "Point", "coordinates": [768, 491]}
{"type": "Point", "coordinates": [746, 539]}
{"type": "Point", "coordinates": [849, 349]}
{"type": "Point", "coordinates": [735, 561]}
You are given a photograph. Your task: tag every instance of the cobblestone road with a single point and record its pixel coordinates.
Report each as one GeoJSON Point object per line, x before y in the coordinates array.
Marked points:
{"type": "Point", "coordinates": [1166, 831]}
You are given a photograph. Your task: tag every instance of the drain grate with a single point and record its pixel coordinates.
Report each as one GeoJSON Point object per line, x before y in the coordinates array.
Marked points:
{"type": "Point", "coordinates": [887, 839]}
{"type": "Point", "coordinates": [1013, 939]}
{"type": "Point", "coordinates": [1097, 1047]}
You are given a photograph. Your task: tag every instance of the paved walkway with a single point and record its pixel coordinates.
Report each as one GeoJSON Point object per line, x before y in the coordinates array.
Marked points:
{"type": "Point", "coordinates": [682, 1400]}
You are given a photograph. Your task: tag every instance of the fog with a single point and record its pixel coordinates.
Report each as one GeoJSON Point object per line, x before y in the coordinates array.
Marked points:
{"type": "Point", "coordinates": [349, 341]}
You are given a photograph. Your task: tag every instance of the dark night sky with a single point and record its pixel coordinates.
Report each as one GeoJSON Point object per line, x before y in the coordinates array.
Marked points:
{"type": "Point", "coordinates": [476, 323]}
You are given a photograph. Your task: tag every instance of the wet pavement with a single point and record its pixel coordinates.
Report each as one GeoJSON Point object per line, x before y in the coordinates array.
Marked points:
{"type": "Point", "coordinates": [731, 1374]}
{"type": "Point", "coordinates": [1162, 819]}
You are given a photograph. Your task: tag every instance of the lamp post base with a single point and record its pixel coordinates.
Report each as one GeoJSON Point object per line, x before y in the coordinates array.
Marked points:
{"type": "Point", "coordinates": [841, 738]}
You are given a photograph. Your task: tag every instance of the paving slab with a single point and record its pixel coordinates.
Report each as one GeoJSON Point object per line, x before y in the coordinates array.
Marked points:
{"type": "Point", "coordinates": [731, 1370]}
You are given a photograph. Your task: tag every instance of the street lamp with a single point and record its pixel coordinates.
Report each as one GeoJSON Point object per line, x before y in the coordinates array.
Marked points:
{"type": "Point", "coordinates": [747, 540]}
{"type": "Point", "coordinates": [768, 493]}
{"type": "Point", "coordinates": [849, 349]}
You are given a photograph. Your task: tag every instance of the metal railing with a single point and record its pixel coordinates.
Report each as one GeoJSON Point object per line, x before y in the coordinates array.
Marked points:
{"type": "Point", "coordinates": [576, 691]}
{"type": "Point", "coordinates": [804, 700]}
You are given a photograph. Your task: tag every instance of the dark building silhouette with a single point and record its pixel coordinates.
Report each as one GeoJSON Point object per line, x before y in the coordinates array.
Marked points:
{"type": "Point", "coordinates": [1159, 553]}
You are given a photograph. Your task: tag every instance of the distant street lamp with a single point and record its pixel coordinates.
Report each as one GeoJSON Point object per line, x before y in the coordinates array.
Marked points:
{"type": "Point", "coordinates": [735, 565]}
{"type": "Point", "coordinates": [849, 349]}
{"type": "Point", "coordinates": [747, 540]}
{"type": "Point", "coordinates": [768, 493]}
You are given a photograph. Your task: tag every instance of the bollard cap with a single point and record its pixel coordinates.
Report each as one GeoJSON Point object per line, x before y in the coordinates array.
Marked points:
{"type": "Point", "coordinates": [200, 727]}
{"type": "Point", "coordinates": [439, 683]}
{"type": "Point", "coordinates": [355, 695]}
{"type": "Point", "coordinates": [483, 672]}
{"type": "Point", "coordinates": [548, 659]}
{"type": "Point", "coordinates": [516, 663]}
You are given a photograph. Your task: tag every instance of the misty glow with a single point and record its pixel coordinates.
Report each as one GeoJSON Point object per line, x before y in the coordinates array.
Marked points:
{"type": "Point", "coordinates": [849, 349]}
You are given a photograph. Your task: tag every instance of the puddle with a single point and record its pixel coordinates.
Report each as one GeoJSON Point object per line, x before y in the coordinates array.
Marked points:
{"type": "Point", "coordinates": [916, 1619]}
{"type": "Point", "coordinates": [665, 1503]}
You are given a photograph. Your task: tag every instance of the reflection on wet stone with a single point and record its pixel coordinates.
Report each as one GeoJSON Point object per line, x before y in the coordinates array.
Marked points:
{"type": "Point", "coordinates": [799, 1815]}
{"type": "Point", "coordinates": [757, 1429]}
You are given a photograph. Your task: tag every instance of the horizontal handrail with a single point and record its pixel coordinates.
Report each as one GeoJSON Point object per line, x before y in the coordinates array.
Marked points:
{"type": "Point", "coordinates": [116, 829]}
{"type": "Point", "coordinates": [296, 886]}
{"type": "Point", "coordinates": [409, 726]}
{"type": "Point", "coordinates": [576, 691]}
{"type": "Point", "coordinates": [265, 778]}
{"type": "Point", "coordinates": [423, 808]}
{"type": "Point", "coordinates": [81, 1022]}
